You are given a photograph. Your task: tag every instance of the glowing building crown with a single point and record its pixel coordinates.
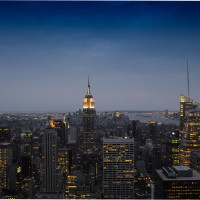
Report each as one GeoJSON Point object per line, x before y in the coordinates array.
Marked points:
{"type": "Point", "coordinates": [88, 100]}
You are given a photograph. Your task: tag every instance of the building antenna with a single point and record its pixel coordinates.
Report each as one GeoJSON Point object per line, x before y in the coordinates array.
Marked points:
{"type": "Point", "coordinates": [88, 86]}
{"type": "Point", "coordinates": [188, 81]}
{"type": "Point", "coordinates": [88, 80]}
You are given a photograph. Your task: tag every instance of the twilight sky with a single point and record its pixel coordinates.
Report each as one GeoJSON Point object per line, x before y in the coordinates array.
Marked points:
{"type": "Point", "coordinates": [134, 52]}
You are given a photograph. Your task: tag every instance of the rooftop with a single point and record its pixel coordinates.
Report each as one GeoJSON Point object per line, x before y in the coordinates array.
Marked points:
{"type": "Point", "coordinates": [4, 144]}
{"type": "Point", "coordinates": [196, 176]}
{"type": "Point", "coordinates": [118, 139]}
{"type": "Point", "coordinates": [181, 168]}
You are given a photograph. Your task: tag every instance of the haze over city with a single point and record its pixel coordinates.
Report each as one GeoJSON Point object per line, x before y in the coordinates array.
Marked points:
{"type": "Point", "coordinates": [134, 52]}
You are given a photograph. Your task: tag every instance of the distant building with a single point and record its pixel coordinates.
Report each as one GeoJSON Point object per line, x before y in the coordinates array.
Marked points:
{"type": "Point", "coordinates": [154, 133]}
{"type": "Point", "coordinates": [149, 142]}
{"type": "Point", "coordinates": [132, 129]}
{"type": "Point", "coordinates": [5, 136]}
{"type": "Point", "coordinates": [166, 113]}
{"type": "Point", "coordinates": [172, 149]}
{"type": "Point", "coordinates": [179, 182]}
{"type": "Point", "coordinates": [61, 131]}
{"type": "Point", "coordinates": [72, 134]}
{"type": "Point", "coordinates": [118, 168]}
{"type": "Point", "coordinates": [117, 114]}
{"type": "Point", "coordinates": [28, 140]}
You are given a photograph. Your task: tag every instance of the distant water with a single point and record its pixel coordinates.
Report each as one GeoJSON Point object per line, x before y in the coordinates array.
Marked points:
{"type": "Point", "coordinates": [155, 116]}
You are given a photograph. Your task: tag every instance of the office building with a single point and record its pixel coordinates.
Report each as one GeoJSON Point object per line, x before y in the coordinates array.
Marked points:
{"type": "Point", "coordinates": [63, 160]}
{"type": "Point", "coordinates": [28, 140]}
{"type": "Point", "coordinates": [172, 149]}
{"type": "Point", "coordinates": [61, 132]}
{"type": "Point", "coordinates": [5, 136]}
{"type": "Point", "coordinates": [118, 168]}
{"type": "Point", "coordinates": [72, 134]}
{"type": "Point", "coordinates": [5, 162]}
{"type": "Point", "coordinates": [76, 187]}
{"type": "Point", "coordinates": [156, 158]}
{"type": "Point", "coordinates": [154, 133]}
{"type": "Point", "coordinates": [179, 182]}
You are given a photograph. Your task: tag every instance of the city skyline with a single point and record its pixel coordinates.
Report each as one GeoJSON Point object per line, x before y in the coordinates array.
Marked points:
{"type": "Point", "coordinates": [135, 53]}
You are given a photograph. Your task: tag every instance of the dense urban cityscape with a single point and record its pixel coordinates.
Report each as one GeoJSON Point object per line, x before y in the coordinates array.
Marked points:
{"type": "Point", "coordinates": [83, 154]}
{"type": "Point", "coordinates": [92, 103]}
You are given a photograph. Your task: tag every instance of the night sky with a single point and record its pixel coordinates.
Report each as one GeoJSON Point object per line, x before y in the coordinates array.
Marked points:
{"type": "Point", "coordinates": [134, 52]}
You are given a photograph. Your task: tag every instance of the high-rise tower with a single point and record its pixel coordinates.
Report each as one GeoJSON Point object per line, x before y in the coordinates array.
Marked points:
{"type": "Point", "coordinates": [88, 122]}
{"type": "Point", "coordinates": [49, 161]}
{"type": "Point", "coordinates": [186, 104]}
{"type": "Point", "coordinates": [189, 130]}
{"type": "Point", "coordinates": [5, 162]}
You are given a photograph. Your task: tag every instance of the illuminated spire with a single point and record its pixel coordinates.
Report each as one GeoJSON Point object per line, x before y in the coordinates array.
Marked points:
{"type": "Point", "coordinates": [88, 100]}
{"type": "Point", "coordinates": [88, 93]}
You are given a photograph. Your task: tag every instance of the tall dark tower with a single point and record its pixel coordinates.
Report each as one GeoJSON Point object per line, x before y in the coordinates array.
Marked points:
{"type": "Point", "coordinates": [88, 122]}
{"type": "Point", "coordinates": [49, 160]}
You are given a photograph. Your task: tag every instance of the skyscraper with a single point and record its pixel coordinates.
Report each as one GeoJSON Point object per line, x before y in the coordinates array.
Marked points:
{"type": "Point", "coordinates": [156, 158]}
{"type": "Point", "coordinates": [61, 132]}
{"type": "Point", "coordinates": [88, 122]}
{"type": "Point", "coordinates": [118, 168]}
{"type": "Point", "coordinates": [172, 149]}
{"type": "Point", "coordinates": [5, 162]}
{"type": "Point", "coordinates": [49, 160]}
{"type": "Point", "coordinates": [189, 129]}
{"type": "Point", "coordinates": [190, 141]}
{"type": "Point", "coordinates": [185, 105]}
{"type": "Point", "coordinates": [154, 133]}
{"type": "Point", "coordinates": [28, 143]}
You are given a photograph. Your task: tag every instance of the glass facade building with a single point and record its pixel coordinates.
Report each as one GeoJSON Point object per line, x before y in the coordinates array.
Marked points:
{"type": "Point", "coordinates": [190, 129]}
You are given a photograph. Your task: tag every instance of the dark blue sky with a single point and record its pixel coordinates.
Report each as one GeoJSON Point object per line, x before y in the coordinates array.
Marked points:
{"type": "Point", "coordinates": [134, 52]}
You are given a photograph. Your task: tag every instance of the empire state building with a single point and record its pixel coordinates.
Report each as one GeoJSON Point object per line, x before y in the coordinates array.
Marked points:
{"type": "Point", "coordinates": [88, 122]}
